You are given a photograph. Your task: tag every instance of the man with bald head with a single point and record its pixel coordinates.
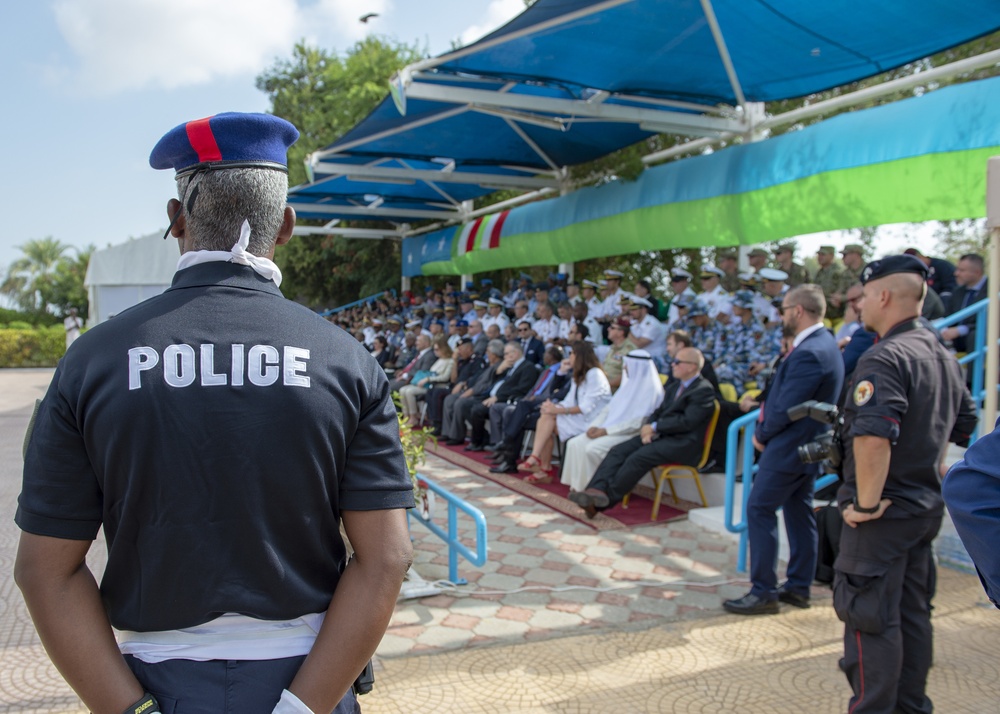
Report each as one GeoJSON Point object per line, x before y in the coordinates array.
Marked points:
{"type": "Point", "coordinates": [891, 496]}
{"type": "Point", "coordinates": [675, 433]}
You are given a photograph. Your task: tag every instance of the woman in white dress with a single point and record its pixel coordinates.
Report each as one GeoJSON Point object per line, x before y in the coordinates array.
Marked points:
{"type": "Point", "coordinates": [439, 373]}
{"type": "Point", "coordinates": [639, 395]}
{"type": "Point", "coordinates": [588, 394]}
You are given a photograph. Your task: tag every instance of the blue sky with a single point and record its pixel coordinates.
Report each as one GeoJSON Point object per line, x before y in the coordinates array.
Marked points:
{"type": "Point", "coordinates": [91, 85]}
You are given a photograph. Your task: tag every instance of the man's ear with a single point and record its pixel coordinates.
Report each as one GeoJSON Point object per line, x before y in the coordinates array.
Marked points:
{"type": "Point", "coordinates": [176, 217]}
{"type": "Point", "coordinates": [287, 226]}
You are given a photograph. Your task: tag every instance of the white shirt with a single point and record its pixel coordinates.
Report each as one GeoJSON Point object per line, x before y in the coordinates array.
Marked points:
{"type": "Point", "coordinates": [718, 301]}
{"type": "Point", "coordinates": [805, 333]}
{"type": "Point", "coordinates": [595, 308]}
{"type": "Point", "coordinates": [610, 306]}
{"type": "Point", "coordinates": [564, 328]}
{"type": "Point", "coordinates": [649, 328]}
{"type": "Point", "coordinates": [547, 330]}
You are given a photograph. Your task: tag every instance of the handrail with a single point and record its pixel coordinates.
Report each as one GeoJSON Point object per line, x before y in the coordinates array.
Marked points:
{"type": "Point", "coordinates": [977, 356]}
{"type": "Point", "coordinates": [341, 308]}
{"type": "Point", "coordinates": [451, 537]}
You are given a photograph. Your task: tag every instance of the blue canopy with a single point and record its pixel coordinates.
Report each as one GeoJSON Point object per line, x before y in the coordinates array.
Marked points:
{"type": "Point", "coordinates": [570, 81]}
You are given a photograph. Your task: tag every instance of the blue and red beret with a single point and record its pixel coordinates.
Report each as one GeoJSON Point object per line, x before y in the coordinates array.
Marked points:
{"type": "Point", "coordinates": [225, 141]}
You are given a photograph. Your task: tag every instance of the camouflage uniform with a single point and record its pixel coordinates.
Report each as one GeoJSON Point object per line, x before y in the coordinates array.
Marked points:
{"type": "Point", "coordinates": [730, 283]}
{"type": "Point", "coordinates": [797, 275]}
{"type": "Point", "coordinates": [745, 343]}
{"type": "Point", "coordinates": [848, 277]}
{"type": "Point", "coordinates": [710, 340]}
{"type": "Point", "coordinates": [828, 279]}
{"type": "Point", "coordinates": [612, 364]}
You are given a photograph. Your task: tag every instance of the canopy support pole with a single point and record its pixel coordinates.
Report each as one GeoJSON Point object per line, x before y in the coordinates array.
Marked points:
{"type": "Point", "coordinates": [727, 61]}
{"type": "Point", "coordinates": [989, 414]}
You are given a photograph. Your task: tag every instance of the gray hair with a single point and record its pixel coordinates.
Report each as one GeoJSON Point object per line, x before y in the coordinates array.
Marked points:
{"type": "Point", "coordinates": [810, 297]}
{"type": "Point", "coordinates": [221, 200]}
{"type": "Point", "coordinates": [495, 347]}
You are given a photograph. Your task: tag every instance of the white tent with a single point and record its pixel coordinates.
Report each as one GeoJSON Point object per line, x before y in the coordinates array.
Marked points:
{"type": "Point", "coordinates": [123, 275]}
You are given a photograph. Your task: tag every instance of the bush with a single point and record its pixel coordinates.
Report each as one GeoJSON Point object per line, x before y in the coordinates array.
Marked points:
{"type": "Point", "coordinates": [31, 348]}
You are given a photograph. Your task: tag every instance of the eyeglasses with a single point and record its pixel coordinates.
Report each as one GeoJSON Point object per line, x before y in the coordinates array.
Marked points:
{"type": "Point", "coordinates": [685, 361]}
{"type": "Point", "coordinates": [782, 309]}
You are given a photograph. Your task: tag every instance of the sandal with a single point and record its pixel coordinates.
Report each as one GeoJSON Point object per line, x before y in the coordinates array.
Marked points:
{"type": "Point", "coordinates": [532, 463]}
{"type": "Point", "coordinates": [540, 477]}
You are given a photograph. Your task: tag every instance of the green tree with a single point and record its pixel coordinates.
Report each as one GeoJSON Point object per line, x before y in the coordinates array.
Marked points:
{"type": "Point", "coordinates": [29, 276]}
{"type": "Point", "coordinates": [957, 238]}
{"type": "Point", "coordinates": [326, 95]}
{"type": "Point", "coordinates": [63, 288]}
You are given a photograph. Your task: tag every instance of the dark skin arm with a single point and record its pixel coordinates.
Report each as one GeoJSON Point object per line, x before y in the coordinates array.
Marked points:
{"type": "Point", "coordinates": [65, 605]}
{"type": "Point", "coordinates": [360, 610]}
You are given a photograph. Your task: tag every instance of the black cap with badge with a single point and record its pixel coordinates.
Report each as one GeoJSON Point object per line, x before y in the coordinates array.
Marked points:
{"type": "Point", "coordinates": [893, 264]}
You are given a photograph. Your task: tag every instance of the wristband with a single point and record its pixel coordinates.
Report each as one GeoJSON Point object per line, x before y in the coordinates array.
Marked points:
{"type": "Point", "coordinates": [146, 705]}
{"type": "Point", "coordinates": [290, 704]}
{"type": "Point", "coordinates": [868, 511]}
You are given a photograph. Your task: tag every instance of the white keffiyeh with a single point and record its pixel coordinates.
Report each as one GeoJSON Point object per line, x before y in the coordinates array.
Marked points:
{"type": "Point", "coordinates": [239, 254]}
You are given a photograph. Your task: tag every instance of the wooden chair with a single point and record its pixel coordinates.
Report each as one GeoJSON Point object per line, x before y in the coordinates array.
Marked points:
{"type": "Point", "coordinates": [668, 472]}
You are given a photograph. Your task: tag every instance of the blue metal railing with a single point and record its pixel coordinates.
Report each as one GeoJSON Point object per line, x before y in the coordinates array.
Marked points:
{"type": "Point", "coordinates": [451, 536]}
{"type": "Point", "coordinates": [742, 429]}
{"type": "Point", "coordinates": [349, 305]}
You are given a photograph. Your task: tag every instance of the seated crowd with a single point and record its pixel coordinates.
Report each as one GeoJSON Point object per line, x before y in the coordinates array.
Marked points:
{"type": "Point", "coordinates": [616, 382]}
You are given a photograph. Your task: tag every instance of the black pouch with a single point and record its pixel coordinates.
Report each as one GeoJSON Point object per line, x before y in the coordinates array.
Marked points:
{"type": "Point", "coordinates": [860, 601]}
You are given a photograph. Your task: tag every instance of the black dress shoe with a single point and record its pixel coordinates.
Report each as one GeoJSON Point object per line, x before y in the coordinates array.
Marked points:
{"type": "Point", "coordinates": [751, 604]}
{"type": "Point", "coordinates": [453, 442]}
{"type": "Point", "coordinates": [504, 467]}
{"type": "Point", "coordinates": [499, 456]}
{"type": "Point", "coordinates": [491, 447]}
{"type": "Point", "coordinates": [794, 599]}
{"type": "Point", "coordinates": [474, 447]}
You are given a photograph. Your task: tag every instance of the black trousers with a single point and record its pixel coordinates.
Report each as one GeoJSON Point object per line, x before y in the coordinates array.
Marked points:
{"type": "Point", "coordinates": [478, 415]}
{"type": "Point", "coordinates": [883, 584]}
{"type": "Point", "coordinates": [435, 403]}
{"type": "Point", "coordinates": [222, 686]}
{"type": "Point", "coordinates": [627, 463]}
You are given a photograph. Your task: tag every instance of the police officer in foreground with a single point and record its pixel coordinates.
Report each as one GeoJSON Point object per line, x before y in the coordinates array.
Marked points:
{"type": "Point", "coordinates": [891, 496]}
{"type": "Point", "coordinates": [220, 434]}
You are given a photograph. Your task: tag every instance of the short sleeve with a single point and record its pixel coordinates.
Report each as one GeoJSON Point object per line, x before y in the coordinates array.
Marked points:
{"type": "Point", "coordinates": [60, 494]}
{"type": "Point", "coordinates": [375, 475]}
{"type": "Point", "coordinates": [878, 397]}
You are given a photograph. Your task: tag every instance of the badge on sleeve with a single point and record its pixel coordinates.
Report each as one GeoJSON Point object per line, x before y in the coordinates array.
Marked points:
{"type": "Point", "coordinates": [863, 393]}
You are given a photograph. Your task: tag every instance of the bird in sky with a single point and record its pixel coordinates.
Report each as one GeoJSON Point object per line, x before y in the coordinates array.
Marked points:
{"type": "Point", "coordinates": [369, 16]}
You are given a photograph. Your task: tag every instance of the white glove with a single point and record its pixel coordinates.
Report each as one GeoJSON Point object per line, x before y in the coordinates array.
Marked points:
{"type": "Point", "coordinates": [290, 704]}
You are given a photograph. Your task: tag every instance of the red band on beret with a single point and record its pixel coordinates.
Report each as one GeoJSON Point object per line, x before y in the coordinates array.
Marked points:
{"type": "Point", "coordinates": [203, 140]}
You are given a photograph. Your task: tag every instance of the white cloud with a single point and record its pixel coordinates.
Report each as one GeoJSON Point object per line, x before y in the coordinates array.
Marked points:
{"type": "Point", "coordinates": [137, 44]}
{"type": "Point", "coordinates": [498, 13]}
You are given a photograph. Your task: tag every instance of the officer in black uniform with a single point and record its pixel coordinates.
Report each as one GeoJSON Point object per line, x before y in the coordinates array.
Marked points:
{"type": "Point", "coordinates": [220, 434]}
{"type": "Point", "coordinates": [891, 496]}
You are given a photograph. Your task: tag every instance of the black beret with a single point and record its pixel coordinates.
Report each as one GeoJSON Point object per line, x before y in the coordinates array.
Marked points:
{"type": "Point", "coordinates": [893, 264]}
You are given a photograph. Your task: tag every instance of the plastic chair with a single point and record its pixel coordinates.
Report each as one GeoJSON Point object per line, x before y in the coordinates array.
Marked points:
{"type": "Point", "coordinates": [668, 472]}
{"type": "Point", "coordinates": [728, 391]}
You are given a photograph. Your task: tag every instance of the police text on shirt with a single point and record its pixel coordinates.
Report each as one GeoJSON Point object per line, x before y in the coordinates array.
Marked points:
{"type": "Point", "coordinates": [261, 365]}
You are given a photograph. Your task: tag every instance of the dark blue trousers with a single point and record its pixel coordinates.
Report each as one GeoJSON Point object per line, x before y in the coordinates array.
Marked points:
{"type": "Point", "coordinates": [793, 494]}
{"type": "Point", "coordinates": [183, 686]}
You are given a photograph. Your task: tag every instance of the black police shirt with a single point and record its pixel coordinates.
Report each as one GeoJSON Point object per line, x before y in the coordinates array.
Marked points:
{"type": "Point", "coordinates": [908, 389]}
{"type": "Point", "coordinates": [217, 432]}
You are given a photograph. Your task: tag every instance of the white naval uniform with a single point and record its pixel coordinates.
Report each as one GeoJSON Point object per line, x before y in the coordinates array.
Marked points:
{"type": "Point", "coordinates": [610, 306]}
{"type": "Point", "coordinates": [718, 301]}
{"type": "Point", "coordinates": [651, 329]}
{"type": "Point", "coordinates": [547, 330]}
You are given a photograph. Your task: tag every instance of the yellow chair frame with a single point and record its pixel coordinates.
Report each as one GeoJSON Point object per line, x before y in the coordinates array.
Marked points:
{"type": "Point", "coordinates": [668, 472]}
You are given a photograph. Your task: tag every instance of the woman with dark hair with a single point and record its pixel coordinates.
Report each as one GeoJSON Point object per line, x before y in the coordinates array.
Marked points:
{"type": "Point", "coordinates": [381, 351]}
{"type": "Point", "coordinates": [588, 394]}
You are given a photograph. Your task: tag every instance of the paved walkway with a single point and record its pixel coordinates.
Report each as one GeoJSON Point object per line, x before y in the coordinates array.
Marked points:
{"type": "Point", "coordinates": [563, 619]}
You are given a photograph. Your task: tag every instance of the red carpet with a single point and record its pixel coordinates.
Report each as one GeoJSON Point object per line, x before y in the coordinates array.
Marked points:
{"type": "Point", "coordinates": [555, 495]}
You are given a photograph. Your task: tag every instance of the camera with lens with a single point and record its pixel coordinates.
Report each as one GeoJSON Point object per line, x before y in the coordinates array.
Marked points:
{"type": "Point", "coordinates": [827, 446]}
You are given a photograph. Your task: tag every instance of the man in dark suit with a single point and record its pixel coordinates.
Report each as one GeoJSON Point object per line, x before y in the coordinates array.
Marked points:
{"type": "Point", "coordinates": [423, 361]}
{"type": "Point", "coordinates": [532, 347]}
{"type": "Point", "coordinates": [517, 375]}
{"type": "Point", "coordinates": [972, 287]}
{"type": "Point", "coordinates": [675, 434]}
{"type": "Point", "coordinates": [456, 407]}
{"type": "Point", "coordinates": [812, 369]}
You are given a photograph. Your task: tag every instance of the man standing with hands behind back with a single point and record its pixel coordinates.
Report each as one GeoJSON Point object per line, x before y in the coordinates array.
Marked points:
{"type": "Point", "coordinates": [812, 369]}
{"type": "Point", "coordinates": [906, 401]}
{"type": "Point", "coordinates": [220, 434]}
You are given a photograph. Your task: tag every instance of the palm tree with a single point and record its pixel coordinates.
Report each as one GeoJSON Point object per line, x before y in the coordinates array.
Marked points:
{"type": "Point", "coordinates": [28, 274]}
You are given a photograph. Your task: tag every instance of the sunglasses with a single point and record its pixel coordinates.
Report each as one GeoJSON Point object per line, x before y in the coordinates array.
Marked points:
{"type": "Point", "coordinates": [782, 309]}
